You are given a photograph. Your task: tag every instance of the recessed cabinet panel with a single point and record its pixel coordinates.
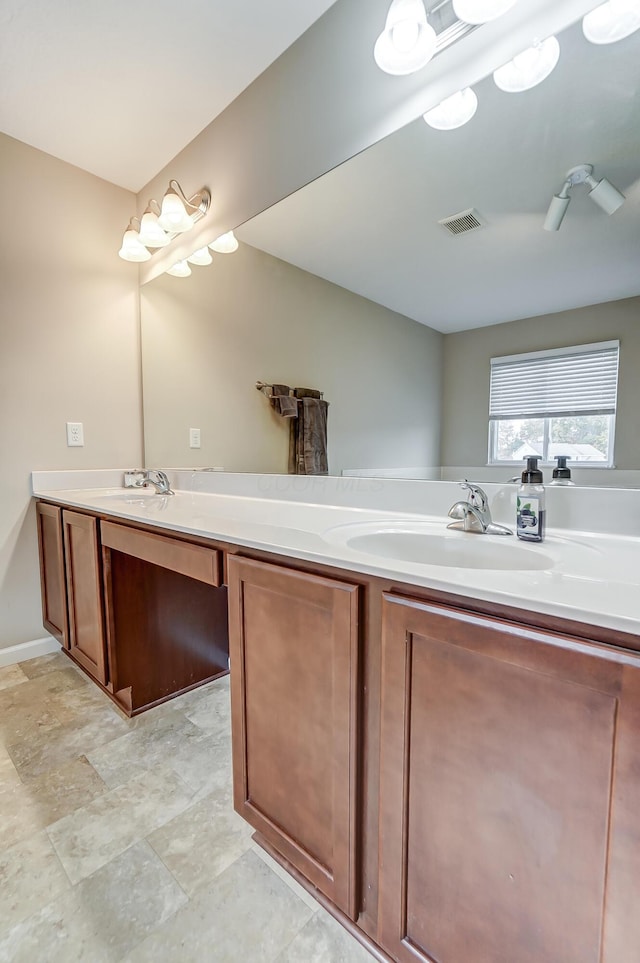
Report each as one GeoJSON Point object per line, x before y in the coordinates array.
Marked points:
{"type": "Point", "coordinates": [52, 577]}
{"type": "Point", "coordinates": [294, 672]}
{"type": "Point", "coordinates": [84, 592]}
{"type": "Point", "coordinates": [499, 792]}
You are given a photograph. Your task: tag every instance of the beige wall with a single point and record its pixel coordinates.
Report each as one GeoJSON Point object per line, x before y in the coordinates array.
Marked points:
{"type": "Point", "coordinates": [69, 349]}
{"type": "Point", "coordinates": [466, 374]}
{"type": "Point", "coordinates": [250, 317]}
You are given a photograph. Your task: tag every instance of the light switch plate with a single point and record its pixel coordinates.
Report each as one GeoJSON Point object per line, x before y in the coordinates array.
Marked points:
{"type": "Point", "coordinates": [75, 434]}
{"type": "Point", "coordinates": [194, 437]}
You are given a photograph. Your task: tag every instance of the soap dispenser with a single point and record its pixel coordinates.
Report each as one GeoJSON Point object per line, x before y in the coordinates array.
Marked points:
{"type": "Point", "coordinates": [562, 473]}
{"type": "Point", "coordinates": [531, 511]}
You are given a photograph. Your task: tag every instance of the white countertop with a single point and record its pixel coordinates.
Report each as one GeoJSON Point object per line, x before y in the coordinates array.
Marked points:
{"type": "Point", "coordinates": [587, 577]}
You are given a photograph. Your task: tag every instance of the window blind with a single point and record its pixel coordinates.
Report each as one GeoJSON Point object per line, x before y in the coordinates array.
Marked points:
{"type": "Point", "coordinates": [581, 380]}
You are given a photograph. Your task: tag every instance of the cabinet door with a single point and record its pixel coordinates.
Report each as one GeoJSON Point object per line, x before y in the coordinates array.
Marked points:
{"type": "Point", "coordinates": [52, 581]}
{"type": "Point", "coordinates": [510, 793]}
{"type": "Point", "coordinates": [294, 677]}
{"type": "Point", "coordinates": [84, 592]}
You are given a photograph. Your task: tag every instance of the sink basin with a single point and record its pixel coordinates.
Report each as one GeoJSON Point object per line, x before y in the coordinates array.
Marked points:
{"type": "Point", "coordinates": [426, 544]}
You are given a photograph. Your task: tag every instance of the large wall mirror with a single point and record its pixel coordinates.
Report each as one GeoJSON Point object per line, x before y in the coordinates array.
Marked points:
{"type": "Point", "coordinates": [352, 286]}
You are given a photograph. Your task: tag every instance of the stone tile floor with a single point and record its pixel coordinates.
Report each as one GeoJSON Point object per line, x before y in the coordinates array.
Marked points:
{"type": "Point", "coordinates": [118, 839]}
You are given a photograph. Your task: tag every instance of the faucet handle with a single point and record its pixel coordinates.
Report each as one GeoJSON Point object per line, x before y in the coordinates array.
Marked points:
{"type": "Point", "coordinates": [477, 495]}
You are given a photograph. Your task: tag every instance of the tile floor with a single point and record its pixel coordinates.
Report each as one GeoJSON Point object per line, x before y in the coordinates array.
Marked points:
{"type": "Point", "coordinates": [118, 840]}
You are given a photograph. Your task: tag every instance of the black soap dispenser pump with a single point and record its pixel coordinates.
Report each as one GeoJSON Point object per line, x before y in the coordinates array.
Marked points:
{"type": "Point", "coordinates": [531, 510]}
{"type": "Point", "coordinates": [562, 473]}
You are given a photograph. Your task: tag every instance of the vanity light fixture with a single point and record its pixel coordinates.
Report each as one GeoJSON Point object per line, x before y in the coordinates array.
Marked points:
{"type": "Point", "coordinates": [132, 249]}
{"type": "Point", "coordinates": [200, 257]}
{"type": "Point", "coordinates": [454, 111]}
{"type": "Point", "coordinates": [612, 21]}
{"type": "Point", "coordinates": [179, 270]}
{"type": "Point", "coordinates": [602, 192]}
{"type": "Point", "coordinates": [481, 11]}
{"type": "Point", "coordinates": [407, 42]}
{"type": "Point", "coordinates": [159, 225]}
{"type": "Point", "coordinates": [529, 68]}
{"type": "Point", "coordinates": [225, 244]}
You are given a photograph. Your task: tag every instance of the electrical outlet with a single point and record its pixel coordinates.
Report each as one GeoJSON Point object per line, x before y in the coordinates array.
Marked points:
{"type": "Point", "coordinates": [75, 434]}
{"type": "Point", "coordinates": [194, 437]}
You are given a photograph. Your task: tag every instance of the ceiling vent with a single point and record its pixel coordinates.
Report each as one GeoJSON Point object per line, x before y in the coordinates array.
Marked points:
{"type": "Point", "coordinates": [463, 222]}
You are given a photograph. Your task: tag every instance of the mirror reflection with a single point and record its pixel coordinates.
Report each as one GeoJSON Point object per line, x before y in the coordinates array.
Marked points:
{"type": "Point", "coordinates": [353, 287]}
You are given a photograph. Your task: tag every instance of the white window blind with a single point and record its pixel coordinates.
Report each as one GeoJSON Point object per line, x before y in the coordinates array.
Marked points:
{"type": "Point", "coordinates": [582, 380]}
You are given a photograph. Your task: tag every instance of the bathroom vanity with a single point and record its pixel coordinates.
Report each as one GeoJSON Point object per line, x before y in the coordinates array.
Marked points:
{"type": "Point", "coordinates": [452, 770]}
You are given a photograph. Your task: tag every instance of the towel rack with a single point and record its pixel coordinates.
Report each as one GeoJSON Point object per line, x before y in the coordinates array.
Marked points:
{"type": "Point", "coordinates": [264, 388]}
{"type": "Point", "coordinates": [267, 389]}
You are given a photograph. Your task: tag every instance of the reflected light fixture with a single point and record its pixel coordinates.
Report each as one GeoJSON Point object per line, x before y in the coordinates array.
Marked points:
{"type": "Point", "coordinates": [602, 192]}
{"type": "Point", "coordinates": [225, 244]}
{"type": "Point", "coordinates": [151, 234]}
{"type": "Point", "coordinates": [200, 257]}
{"type": "Point", "coordinates": [481, 11]}
{"type": "Point", "coordinates": [612, 21]}
{"type": "Point", "coordinates": [454, 111]}
{"type": "Point", "coordinates": [529, 68]}
{"type": "Point", "coordinates": [407, 42]}
{"type": "Point", "coordinates": [132, 249]}
{"type": "Point", "coordinates": [179, 270]}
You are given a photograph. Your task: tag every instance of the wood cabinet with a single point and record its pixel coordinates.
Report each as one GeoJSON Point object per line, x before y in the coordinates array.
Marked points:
{"type": "Point", "coordinates": [52, 575]}
{"type": "Point", "coordinates": [509, 792]}
{"type": "Point", "coordinates": [295, 681]}
{"type": "Point", "coordinates": [144, 614]}
{"type": "Point", "coordinates": [87, 642]}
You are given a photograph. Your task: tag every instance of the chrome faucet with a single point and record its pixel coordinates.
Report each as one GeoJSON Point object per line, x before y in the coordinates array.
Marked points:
{"type": "Point", "coordinates": [474, 515]}
{"type": "Point", "coordinates": [144, 477]}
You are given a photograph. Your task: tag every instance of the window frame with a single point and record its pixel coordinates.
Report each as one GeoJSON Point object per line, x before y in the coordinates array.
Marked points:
{"type": "Point", "coordinates": [544, 461]}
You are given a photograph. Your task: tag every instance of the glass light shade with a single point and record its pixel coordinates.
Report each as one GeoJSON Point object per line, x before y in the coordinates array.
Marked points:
{"type": "Point", "coordinates": [179, 270]}
{"type": "Point", "coordinates": [407, 42]}
{"type": "Point", "coordinates": [201, 257]}
{"type": "Point", "coordinates": [151, 234]}
{"type": "Point", "coordinates": [132, 249]}
{"type": "Point", "coordinates": [481, 11]}
{"type": "Point", "coordinates": [225, 244]}
{"type": "Point", "coordinates": [529, 68]}
{"type": "Point", "coordinates": [454, 111]}
{"type": "Point", "coordinates": [174, 217]}
{"type": "Point", "coordinates": [612, 21]}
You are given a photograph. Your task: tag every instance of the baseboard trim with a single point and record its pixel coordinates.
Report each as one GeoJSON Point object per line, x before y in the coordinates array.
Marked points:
{"type": "Point", "coordinates": [359, 934]}
{"type": "Point", "coordinates": [28, 650]}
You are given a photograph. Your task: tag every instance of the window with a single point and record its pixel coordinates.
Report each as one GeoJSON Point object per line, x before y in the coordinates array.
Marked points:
{"type": "Point", "coordinates": [559, 402]}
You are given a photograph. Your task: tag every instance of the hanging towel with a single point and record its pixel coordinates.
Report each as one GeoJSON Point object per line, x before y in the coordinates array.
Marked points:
{"type": "Point", "coordinates": [308, 440]}
{"type": "Point", "coordinates": [288, 406]}
{"type": "Point", "coordinates": [282, 402]}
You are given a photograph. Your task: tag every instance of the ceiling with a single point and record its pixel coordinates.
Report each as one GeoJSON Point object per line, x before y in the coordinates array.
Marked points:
{"type": "Point", "coordinates": [371, 226]}
{"type": "Point", "coordinates": [118, 88]}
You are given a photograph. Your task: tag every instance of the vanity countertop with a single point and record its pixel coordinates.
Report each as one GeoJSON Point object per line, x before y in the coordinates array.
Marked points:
{"type": "Point", "coordinates": [590, 578]}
